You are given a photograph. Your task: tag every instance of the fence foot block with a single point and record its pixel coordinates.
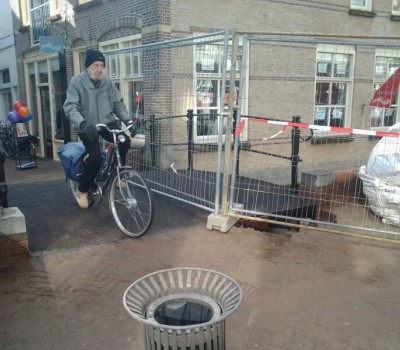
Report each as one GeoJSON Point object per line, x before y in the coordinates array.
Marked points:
{"type": "Point", "coordinates": [317, 178]}
{"type": "Point", "coordinates": [219, 222]}
{"type": "Point", "coordinates": [13, 239]}
{"type": "Point", "coordinates": [12, 221]}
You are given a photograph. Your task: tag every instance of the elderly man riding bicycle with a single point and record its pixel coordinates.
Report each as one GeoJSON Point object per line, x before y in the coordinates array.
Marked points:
{"type": "Point", "coordinates": [93, 98]}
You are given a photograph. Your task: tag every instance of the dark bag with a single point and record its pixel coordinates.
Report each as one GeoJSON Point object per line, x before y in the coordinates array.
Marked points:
{"type": "Point", "coordinates": [71, 158]}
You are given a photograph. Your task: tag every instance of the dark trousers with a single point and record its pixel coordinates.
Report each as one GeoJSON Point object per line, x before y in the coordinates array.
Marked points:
{"type": "Point", "coordinates": [92, 161]}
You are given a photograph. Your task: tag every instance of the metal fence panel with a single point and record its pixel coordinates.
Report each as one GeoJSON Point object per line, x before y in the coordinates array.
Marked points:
{"type": "Point", "coordinates": [217, 126]}
{"type": "Point", "coordinates": [326, 84]}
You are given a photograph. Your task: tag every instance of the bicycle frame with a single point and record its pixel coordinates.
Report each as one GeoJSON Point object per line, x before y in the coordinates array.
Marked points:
{"type": "Point", "coordinates": [114, 164]}
{"type": "Point", "coordinates": [129, 196]}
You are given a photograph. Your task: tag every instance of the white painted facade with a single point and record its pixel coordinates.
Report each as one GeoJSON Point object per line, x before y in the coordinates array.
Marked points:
{"type": "Point", "coordinates": [8, 64]}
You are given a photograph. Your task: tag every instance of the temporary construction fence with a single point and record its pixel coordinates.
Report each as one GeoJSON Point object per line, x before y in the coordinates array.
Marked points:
{"type": "Point", "coordinates": [261, 128]}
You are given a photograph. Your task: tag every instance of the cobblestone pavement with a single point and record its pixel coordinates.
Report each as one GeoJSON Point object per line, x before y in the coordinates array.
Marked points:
{"type": "Point", "coordinates": [302, 290]}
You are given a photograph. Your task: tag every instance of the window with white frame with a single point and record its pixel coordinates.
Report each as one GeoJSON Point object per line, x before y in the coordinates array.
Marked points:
{"type": "Point", "coordinates": [386, 63]}
{"type": "Point", "coordinates": [364, 5]}
{"type": "Point", "coordinates": [124, 67]}
{"type": "Point", "coordinates": [78, 56]}
{"type": "Point", "coordinates": [396, 8]}
{"type": "Point", "coordinates": [36, 13]}
{"type": "Point", "coordinates": [333, 86]}
{"type": "Point", "coordinates": [208, 88]}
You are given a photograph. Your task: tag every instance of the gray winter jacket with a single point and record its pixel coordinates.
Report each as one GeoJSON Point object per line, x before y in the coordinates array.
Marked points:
{"type": "Point", "coordinates": [86, 102]}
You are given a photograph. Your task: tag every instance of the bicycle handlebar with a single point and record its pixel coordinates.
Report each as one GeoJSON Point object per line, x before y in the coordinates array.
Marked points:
{"type": "Point", "coordinates": [114, 131]}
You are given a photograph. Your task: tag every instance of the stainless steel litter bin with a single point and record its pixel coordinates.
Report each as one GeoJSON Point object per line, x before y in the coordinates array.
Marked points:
{"type": "Point", "coordinates": [183, 308]}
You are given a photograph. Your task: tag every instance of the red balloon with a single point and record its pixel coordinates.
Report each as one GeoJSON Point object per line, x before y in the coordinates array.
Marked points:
{"type": "Point", "coordinates": [24, 112]}
{"type": "Point", "coordinates": [17, 105]}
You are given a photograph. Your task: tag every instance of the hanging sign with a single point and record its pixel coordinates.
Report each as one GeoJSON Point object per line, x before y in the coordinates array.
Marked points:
{"type": "Point", "coordinates": [49, 44]}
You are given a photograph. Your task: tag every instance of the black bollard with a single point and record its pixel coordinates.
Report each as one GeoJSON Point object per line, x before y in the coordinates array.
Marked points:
{"type": "Point", "coordinates": [234, 140]}
{"type": "Point", "coordinates": [3, 185]}
{"type": "Point", "coordinates": [153, 139]}
{"type": "Point", "coordinates": [295, 154]}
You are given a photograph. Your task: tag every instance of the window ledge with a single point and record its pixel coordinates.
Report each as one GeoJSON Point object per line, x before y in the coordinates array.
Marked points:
{"type": "Point", "coordinates": [395, 17]}
{"type": "Point", "coordinates": [23, 29]}
{"type": "Point", "coordinates": [55, 17]}
{"type": "Point", "coordinates": [362, 13]}
{"type": "Point", "coordinates": [87, 5]}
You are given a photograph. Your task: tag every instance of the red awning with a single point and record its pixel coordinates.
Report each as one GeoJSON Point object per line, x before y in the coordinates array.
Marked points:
{"type": "Point", "coordinates": [385, 95]}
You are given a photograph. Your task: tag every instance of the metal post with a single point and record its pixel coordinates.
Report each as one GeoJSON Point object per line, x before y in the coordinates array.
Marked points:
{"type": "Point", "coordinates": [221, 121]}
{"type": "Point", "coordinates": [190, 138]}
{"type": "Point", "coordinates": [228, 142]}
{"type": "Point", "coordinates": [295, 158]}
{"type": "Point", "coordinates": [153, 139]}
{"type": "Point", "coordinates": [3, 185]}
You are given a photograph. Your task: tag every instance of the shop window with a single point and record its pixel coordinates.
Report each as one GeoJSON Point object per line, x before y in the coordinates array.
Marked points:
{"type": "Point", "coordinates": [212, 93]}
{"type": "Point", "coordinates": [363, 5]}
{"type": "Point", "coordinates": [333, 87]}
{"type": "Point", "coordinates": [396, 8]}
{"type": "Point", "coordinates": [124, 67]}
{"type": "Point", "coordinates": [386, 113]}
{"type": "Point", "coordinates": [6, 102]}
{"type": "Point", "coordinates": [5, 76]}
{"type": "Point", "coordinates": [79, 56]}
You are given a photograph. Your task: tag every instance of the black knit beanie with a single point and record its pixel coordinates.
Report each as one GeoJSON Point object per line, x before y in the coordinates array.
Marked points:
{"type": "Point", "coordinates": [93, 56]}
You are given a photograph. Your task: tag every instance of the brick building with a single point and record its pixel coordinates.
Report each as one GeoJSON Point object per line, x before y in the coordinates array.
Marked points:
{"type": "Point", "coordinates": [325, 58]}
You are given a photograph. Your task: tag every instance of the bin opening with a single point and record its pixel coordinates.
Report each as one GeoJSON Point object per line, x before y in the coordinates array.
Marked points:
{"type": "Point", "coordinates": [183, 313]}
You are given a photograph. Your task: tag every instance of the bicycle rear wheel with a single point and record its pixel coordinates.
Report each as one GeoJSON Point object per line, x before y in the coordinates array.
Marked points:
{"type": "Point", "coordinates": [10, 148]}
{"type": "Point", "coordinates": [131, 203]}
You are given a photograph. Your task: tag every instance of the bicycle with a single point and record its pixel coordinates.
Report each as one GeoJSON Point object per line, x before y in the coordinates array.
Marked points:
{"type": "Point", "coordinates": [130, 197]}
{"type": "Point", "coordinates": [8, 140]}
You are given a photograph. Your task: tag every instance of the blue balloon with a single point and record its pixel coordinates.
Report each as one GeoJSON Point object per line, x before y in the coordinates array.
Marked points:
{"type": "Point", "coordinates": [27, 119]}
{"type": "Point", "coordinates": [13, 117]}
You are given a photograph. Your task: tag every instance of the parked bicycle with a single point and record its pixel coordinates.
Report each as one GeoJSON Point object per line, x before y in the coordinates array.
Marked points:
{"type": "Point", "coordinates": [130, 198]}
{"type": "Point", "coordinates": [8, 140]}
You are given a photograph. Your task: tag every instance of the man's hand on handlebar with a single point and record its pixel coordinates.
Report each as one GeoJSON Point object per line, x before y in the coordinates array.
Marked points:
{"type": "Point", "coordinates": [132, 127]}
{"type": "Point", "coordinates": [89, 130]}
{"type": "Point", "coordinates": [129, 128]}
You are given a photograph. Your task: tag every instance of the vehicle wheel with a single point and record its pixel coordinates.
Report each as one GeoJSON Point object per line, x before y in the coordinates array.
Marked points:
{"type": "Point", "coordinates": [131, 203]}
{"type": "Point", "coordinates": [10, 148]}
{"type": "Point", "coordinates": [32, 151]}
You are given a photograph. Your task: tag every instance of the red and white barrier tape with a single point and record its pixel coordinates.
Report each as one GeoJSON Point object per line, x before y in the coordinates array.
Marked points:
{"type": "Point", "coordinates": [317, 127]}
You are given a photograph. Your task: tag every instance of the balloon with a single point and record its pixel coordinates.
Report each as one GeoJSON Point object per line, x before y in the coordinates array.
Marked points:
{"type": "Point", "coordinates": [13, 117]}
{"type": "Point", "coordinates": [17, 105]}
{"type": "Point", "coordinates": [24, 112]}
{"type": "Point", "coordinates": [27, 119]}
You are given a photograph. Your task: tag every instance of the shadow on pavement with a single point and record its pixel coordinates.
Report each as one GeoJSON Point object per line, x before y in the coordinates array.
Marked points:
{"type": "Point", "coordinates": [55, 222]}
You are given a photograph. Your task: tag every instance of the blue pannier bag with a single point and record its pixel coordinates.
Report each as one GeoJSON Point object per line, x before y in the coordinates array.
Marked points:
{"type": "Point", "coordinates": [71, 158]}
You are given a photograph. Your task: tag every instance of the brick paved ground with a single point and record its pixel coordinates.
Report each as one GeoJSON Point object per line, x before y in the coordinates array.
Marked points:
{"type": "Point", "coordinates": [302, 290]}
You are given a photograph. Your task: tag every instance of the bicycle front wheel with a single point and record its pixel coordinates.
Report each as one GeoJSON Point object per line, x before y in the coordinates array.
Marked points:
{"type": "Point", "coordinates": [131, 203]}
